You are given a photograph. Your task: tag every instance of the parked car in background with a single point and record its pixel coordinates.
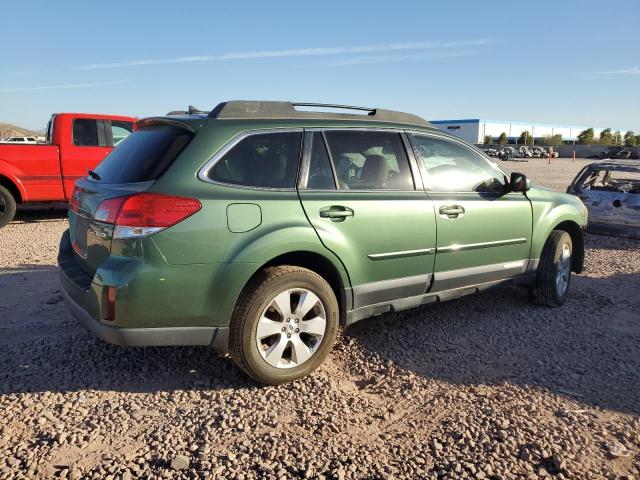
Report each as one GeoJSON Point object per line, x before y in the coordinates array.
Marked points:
{"type": "Point", "coordinates": [627, 153]}
{"type": "Point", "coordinates": [611, 192]}
{"type": "Point", "coordinates": [538, 152]}
{"type": "Point", "coordinates": [511, 154]}
{"type": "Point", "coordinates": [75, 143]}
{"type": "Point", "coordinates": [524, 151]}
{"type": "Point", "coordinates": [20, 140]}
{"type": "Point", "coordinates": [260, 227]}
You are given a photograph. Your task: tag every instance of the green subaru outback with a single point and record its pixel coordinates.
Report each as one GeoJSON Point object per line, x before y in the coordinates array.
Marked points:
{"type": "Point", "coordinates": [260, 227]}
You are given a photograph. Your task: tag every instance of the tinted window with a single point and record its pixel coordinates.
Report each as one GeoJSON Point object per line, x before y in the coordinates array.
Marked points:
{"type": "Point", "coordinates": [268, 160]}
{"type": "Point", "coordinates": [320, 171]}
{"type": "Point", "coordinates": [85, 132]}
{"type": "Point", "coordinates": [144, 155]}
{"type": "Point", "coordinates": [452, 167]}
{"type": "Point", "coordinates": [120, 130]}
{"type": "Point", "coordinates": [369, 160]}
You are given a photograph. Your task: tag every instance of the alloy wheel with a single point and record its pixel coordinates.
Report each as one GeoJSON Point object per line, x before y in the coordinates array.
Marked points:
{"type": "Point", "coordinates": [291, 328]}
{"type": "Point", "coordinates": [563, 271]}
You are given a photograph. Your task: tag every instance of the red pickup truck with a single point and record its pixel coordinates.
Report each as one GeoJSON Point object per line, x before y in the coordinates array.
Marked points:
{"type": "Point", "coordinates": [46, 172]}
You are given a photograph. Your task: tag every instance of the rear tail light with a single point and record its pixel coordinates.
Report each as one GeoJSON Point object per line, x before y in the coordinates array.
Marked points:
{"type": "Point", "coordinates": [74, 200]}
{"type": "Point", "coordinates": [145, 213]}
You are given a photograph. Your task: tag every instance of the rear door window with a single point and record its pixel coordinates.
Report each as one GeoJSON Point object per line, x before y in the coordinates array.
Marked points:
{"type": "Point", "coordinates": [263, 160]}
{"type": "Point", "coordinates": [144, 155]}
{"type": "Point", "coordinates": [85, 132]}
{"type": "Point", "coordinates": [369, 160]}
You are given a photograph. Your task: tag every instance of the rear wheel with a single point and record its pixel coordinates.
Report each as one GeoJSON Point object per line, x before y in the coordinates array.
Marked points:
{"type": "Point", "coordinates": [554, 271]}
{"type": "Point", "coordinates": [284, 325]}
{"type": "Point", "coordinates": [7, 206]}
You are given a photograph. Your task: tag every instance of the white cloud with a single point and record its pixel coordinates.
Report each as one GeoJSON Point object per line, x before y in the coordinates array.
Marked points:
{"type": "Point", "coordinates": [394, 58]}
{"type": "Point", "coordinates": [296, 52]}
{"type": "Point", "coordinates": [626, 71]}
{"type": "Point", "coordinates": [58, 87]}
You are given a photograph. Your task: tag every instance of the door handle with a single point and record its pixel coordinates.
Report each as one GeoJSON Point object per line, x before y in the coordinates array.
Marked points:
{"type": "Point", "coordinates": [451, 211]}
{"type": "Point", "coordinates": [336, 213]}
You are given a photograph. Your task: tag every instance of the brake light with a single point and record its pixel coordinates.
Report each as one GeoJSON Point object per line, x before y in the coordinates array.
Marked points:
{"type": "Point", "coordinates": [107, 211]}
{"type": "Point", "coordinates": [145, 213]}
{"type": "Point", "coordinates": [74, 200]}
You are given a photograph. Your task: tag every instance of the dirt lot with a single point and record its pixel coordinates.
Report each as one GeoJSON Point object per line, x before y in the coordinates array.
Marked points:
{"type": "Point", "coordinates": [483, 387]}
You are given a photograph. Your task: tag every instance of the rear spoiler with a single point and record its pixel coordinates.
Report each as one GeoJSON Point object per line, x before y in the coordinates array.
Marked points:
{"type": "Point", "coordinates": [162, 121]}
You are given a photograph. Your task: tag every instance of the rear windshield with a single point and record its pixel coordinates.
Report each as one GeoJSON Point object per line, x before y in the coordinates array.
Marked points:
{"type": "Point", "coordinates": [144, 155]}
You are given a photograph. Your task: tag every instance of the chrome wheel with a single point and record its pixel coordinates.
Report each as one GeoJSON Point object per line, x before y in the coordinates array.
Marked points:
{"type": "Point", "coordinates": [563, 271]}
{"type": "Point", "coordinates": [291, 328]}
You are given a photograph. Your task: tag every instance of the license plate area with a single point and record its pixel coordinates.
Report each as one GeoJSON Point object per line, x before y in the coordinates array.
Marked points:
{"type": "Point", "coordinates": [79, 242]}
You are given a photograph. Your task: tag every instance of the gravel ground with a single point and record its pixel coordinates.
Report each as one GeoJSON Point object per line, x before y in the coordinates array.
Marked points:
{"type": "Point", "coordinates": [483, 387]}
{"type": "Point", "coordinates": [556, 175]}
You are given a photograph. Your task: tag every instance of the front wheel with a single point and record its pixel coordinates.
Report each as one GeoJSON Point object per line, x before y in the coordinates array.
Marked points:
{"type": "Point", "coordinates": [554, 270]}
{"type": "Point", "coordinates": [284, 324]}
{"type": "Point", "coordinates": [7, 206]}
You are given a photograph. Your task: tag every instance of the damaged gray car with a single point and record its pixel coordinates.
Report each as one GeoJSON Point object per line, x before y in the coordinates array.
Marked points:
{"type": "Point", "coordinates": [610, 190]}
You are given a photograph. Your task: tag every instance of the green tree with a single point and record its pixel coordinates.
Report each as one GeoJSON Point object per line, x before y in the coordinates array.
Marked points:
{"type": "Point", "coordinates": [606, 137]}
{"type": "Point", "coordinates": [617, 138]}
{"type": "Point", "coordinates": [502, 139]}
{"type": "Point", "coordinates": [637, 139]}
{"type": "Point", "coordinates": [586, 137]}
{"type": "Point", "coordinates": [629, 139]}
{"type": "Point", "coordinates": [488, 140]}
{"type": "Point", "coordinates": [552, 140]}
{"type": "Point", "coordinates": [525, 138]}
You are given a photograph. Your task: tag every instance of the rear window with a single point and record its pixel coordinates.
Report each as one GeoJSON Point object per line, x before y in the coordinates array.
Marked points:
{"type": "Point", "coordinates": [144, 155]}
{"type": "Point", "coordinates": [85, 132]}
{"type": "Point", "coordinates": [264, 160]}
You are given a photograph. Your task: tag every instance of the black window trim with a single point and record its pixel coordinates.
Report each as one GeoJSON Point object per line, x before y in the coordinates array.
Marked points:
{"type": "Point", "coordinates": [203, 173]}
{"type": "Point", "coordinates": [457, 141]}
{"type": "Point", "coordinates": [408, 150]}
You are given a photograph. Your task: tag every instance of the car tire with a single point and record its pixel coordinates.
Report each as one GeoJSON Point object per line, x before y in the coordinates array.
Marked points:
{"type": "Point", "coordinates": [7, 206]}
{"type": "Point", "coordinates": [271, 338]}
{"type": "Point", "coordinates": [554, 270]}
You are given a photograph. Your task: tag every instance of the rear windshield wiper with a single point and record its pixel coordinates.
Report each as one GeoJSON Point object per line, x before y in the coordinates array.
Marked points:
{"type": "Point", "coordinates": [94, 175]}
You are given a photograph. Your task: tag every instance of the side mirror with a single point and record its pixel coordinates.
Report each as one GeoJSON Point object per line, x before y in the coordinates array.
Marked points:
{"type": "Point", "coordinates": [519, 182]}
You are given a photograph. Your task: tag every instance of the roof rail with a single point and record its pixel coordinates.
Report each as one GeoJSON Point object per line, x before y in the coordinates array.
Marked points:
{"type": "Point", "coordinates": [245, 110]}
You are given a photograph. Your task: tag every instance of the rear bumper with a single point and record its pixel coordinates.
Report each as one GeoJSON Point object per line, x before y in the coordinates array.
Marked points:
{"type": "Point", "coordinates": [146, 337]}
{"type": "Point", "coordinates": [82, 296]}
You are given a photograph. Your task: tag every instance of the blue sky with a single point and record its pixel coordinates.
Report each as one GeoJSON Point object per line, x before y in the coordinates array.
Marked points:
{"type": "Point", "coordinates": [566, 62]}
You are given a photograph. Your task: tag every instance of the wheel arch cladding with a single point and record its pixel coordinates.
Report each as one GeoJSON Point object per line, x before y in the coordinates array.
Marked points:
{"type": "Point", "coordinates": [319, 264]}
{"type": "Point", "coordinates": [577, 239]}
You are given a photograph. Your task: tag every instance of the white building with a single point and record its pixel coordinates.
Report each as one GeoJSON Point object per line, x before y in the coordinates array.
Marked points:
{"type": "Point", "coordinates": [474, 130]}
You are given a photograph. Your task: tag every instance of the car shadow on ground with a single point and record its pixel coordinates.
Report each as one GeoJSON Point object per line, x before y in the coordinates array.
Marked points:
{"type": "Point", "coordinates": [34, 213]}
{"type": "Point", "coordinates": [588, 349]}
{"type": "Point", "coordinates": [44, 349]}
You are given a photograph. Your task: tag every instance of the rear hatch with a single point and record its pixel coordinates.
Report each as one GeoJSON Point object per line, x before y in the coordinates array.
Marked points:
{"type": "Point", "coordinates": [129, 170]}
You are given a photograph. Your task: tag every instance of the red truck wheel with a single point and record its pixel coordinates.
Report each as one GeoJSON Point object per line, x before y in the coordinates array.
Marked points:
{"type": "Point", "coordinates": [7, 206]}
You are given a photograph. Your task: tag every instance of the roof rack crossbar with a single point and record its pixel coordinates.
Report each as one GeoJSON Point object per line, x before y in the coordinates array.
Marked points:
{"type": "Point", "coordinates": [272, 110]}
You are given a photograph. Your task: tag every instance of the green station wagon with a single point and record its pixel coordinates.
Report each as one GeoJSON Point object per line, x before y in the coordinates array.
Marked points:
{"type": "Point", "coordinates": [260, 227]}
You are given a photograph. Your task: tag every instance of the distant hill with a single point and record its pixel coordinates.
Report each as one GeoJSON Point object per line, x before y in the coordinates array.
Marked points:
{"type": "Point", "coordinates": [9, 130]}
